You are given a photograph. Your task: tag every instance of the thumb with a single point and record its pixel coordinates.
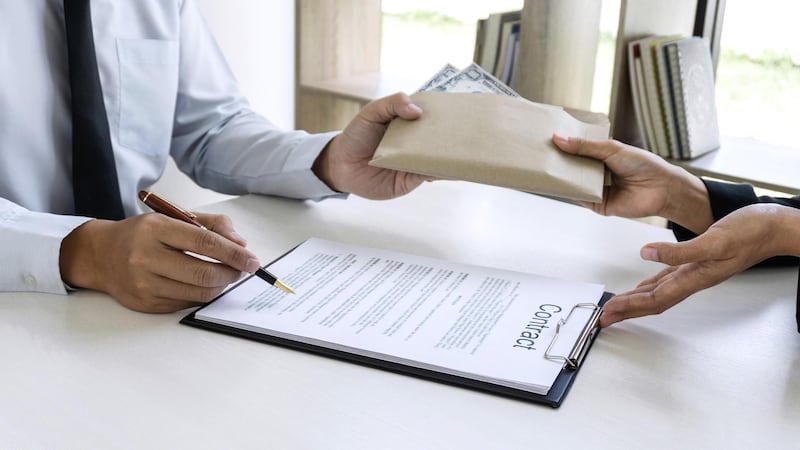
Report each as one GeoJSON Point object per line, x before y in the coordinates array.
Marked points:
{"type": "Point", "coordinates": [385, 109]}
{"type": "Point", "coordinates": [674, 254]}
{"type": "Point", "coordinates": [600, 150]}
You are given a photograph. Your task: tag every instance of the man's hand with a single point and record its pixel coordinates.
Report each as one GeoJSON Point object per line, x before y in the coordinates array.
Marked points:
{"type": "Point", "coordinates": [734, 243]}
{"type": "Point", "coordinates": [142, 261]}
{"type": "Point", "coordinates": [643, 184]}
{"type": "Point", "coordinates": [343, 165]}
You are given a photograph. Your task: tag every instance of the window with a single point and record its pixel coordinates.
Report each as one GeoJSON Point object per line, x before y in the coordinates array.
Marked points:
{"type": "Point", "coordinates": [420, 37]}
{"type": "Point", "coordinates": [758, 73]}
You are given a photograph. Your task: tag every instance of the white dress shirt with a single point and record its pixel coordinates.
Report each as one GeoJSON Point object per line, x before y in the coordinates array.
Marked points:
{"type": "Point", "coordinates": [168, 92]}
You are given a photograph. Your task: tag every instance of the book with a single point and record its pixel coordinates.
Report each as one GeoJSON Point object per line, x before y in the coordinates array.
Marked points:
{"type": "Point", "coordinates": [492, 38]}
{"type": "Point", "coordinates": [651, 105]}
{"type": "Point", "coordinates": [514, 70]}
{"type": "Point", "coordinates": [510, 333]}
{"type": "Point", "coordinates": [672, 87]}
{"type": "Point", "coordinates": [639, 95]}
{"type": "Point", "coordinates": [480, 32]}
{"type": "Point", "coordinates": [509, 66]}
{"type": "Point", "coordinates": [676, 100]}
{"type": "Point", "coordinates": [691, 74]}
{"type": "Point", "coordinates": [667, 105]}
{"type": "Point", "coordinates": [510, 33]}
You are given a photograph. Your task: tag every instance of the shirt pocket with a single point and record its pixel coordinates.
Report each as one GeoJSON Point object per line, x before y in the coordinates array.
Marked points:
{"type": "Point", "coordinates": [148, 71]}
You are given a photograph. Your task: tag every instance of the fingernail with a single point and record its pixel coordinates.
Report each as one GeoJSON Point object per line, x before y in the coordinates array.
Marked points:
{"type": "Point", "coordinates": [649, 254]}
{"type": "Point", "coordinates": [252, 265]}
{"type": "Point", "coordinates": [561, 140]}
{"type": "Point", "coordinates": [414, 108]}
{"type": "Point", "coordinates": [238, 237]}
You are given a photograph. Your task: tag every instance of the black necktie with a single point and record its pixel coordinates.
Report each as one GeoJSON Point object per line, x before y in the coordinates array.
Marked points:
{"type": "Point", "coordinates": [94, 175]}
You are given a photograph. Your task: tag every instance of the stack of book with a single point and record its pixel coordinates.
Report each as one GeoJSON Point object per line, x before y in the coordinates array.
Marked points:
{"type": "Point", "coordinates": [672, 85]}
{"type": "Point", "coordinates": [497, 45]}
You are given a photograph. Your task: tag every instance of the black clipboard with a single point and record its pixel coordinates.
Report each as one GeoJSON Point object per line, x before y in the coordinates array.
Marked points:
{"type": "Point", "coordinates": [555, 396]}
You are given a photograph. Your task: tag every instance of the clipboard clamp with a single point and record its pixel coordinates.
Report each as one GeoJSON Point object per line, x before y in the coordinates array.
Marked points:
{"type": "Point", "coordinates": [575, 357]}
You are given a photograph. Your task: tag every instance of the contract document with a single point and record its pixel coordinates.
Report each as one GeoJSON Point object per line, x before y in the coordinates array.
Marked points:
{"type": "Point", "coordinates": [411, 313]}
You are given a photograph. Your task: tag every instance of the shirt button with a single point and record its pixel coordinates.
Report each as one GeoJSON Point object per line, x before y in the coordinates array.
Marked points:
{"type": "Point", "coordinates": [30, 281]}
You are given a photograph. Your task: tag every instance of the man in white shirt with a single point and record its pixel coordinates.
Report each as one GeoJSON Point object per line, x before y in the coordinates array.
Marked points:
{"type": "Point", "coordinates": [167, 92]}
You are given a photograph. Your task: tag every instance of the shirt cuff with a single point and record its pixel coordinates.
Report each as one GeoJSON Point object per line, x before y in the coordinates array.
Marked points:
{"type": "Point", "coordinates": [30, 246]}
{"type": "Point", "coordinates": [308, 151]}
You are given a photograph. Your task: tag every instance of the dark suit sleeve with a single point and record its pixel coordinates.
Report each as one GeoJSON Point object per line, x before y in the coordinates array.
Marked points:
{"type": "Point", "coordinates": [728, 197]}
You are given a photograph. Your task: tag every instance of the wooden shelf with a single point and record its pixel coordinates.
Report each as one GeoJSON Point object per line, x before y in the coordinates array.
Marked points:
{"type": "Point", "coordinates": [365, 87]}
{"type": "Point", "coordinates": [338, 44]}
{"type": "Point", "coordinates": [743, 160]}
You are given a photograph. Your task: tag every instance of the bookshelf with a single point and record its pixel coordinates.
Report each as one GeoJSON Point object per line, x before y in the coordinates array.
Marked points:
{"type": "Point", "coordinates": [638, 19]}
{"type": "Point", "coordinates": [738, 160]}
{"type": "Point", "coordinates": [744, 160]}
{"type": "Point", "coordinates": [338, 47]}
{"type": "Point", "coordinates": [338, 57]}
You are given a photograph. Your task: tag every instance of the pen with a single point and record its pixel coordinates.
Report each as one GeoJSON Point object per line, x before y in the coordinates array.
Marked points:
{"type": "Point", "coordinates": [169, 209]}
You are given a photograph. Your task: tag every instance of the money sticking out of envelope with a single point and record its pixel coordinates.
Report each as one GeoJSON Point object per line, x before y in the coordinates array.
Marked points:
{"type": "Point", "coordinates": [475, 128]}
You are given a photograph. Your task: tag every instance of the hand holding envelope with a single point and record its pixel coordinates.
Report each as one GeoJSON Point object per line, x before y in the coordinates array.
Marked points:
{"type": "Point", "coordinates": [493, 139]}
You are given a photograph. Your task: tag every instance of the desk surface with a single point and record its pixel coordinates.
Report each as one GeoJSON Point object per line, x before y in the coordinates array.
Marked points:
{"type": "Point", "coordinates": [721, 370]}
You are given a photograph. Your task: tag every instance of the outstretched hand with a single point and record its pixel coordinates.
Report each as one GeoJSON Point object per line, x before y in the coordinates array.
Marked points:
{"type": "Point", "coordinates": [343, 165]}
{"type": "Point", "coordinates": [734, 243]}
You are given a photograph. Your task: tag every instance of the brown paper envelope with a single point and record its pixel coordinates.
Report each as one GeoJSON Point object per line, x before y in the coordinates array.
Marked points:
{"type": "Point", "coordinates": [493, 139]}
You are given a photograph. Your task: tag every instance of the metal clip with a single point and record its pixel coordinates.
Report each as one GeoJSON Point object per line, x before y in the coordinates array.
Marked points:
{"type": "Point", "coordinates": [575, 357]}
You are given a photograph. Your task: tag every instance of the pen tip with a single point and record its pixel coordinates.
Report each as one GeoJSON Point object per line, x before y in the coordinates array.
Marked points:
{"type": "Point", "coordinates": [283, 287]}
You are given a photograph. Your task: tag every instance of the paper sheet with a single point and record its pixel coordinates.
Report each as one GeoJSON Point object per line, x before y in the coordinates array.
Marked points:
{"type": "Point", "coordinates": [481, 323]}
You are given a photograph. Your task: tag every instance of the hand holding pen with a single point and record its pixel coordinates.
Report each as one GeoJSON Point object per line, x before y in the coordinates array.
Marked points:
{"type": "Point", "coordinates": [163, 206]}
{"type": "Point", "coordinates": [145, 262]}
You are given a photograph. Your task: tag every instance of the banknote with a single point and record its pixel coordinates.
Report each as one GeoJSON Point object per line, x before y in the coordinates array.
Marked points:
{"type": "Point", "coordinates": [441, 76]}
{"type": "Point", "coordinates": [474, 79]}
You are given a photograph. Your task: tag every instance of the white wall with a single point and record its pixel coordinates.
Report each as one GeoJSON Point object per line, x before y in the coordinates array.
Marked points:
{"type": "Point", "coordinates": [257, 38]}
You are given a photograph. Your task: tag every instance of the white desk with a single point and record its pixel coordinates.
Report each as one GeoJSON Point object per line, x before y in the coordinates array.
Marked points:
{"type": "Point", "coordinates": [721, 370]}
